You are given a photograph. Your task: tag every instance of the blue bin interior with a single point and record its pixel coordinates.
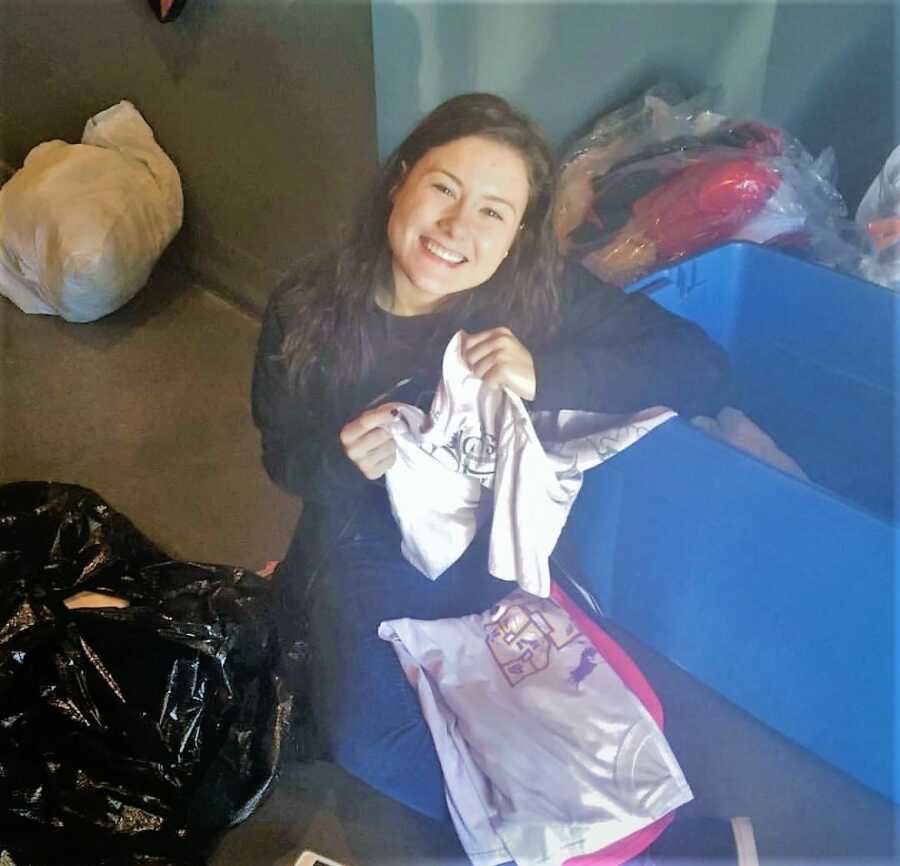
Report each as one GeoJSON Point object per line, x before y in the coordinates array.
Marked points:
{"type": "Point", "coordinates": [813, 355]}
{"type": "Point", "coordinates": [777, 593]}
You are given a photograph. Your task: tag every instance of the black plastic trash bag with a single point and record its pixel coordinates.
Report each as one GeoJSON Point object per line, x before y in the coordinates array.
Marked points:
{"type": "Point", "coordinates": [131, 734]}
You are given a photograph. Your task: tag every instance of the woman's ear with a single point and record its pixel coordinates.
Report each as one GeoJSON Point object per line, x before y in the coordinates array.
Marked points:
{"type": "Point", "coordinates": [404, 170]}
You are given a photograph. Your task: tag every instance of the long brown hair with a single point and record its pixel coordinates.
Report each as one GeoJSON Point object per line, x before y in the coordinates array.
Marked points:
{"type": "Point", "coordinates": [330, 302]}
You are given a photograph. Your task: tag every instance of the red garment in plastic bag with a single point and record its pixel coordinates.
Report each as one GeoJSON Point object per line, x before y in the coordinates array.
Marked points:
{"type": "Point", "coordinates": [704, 204]}
{"type": "Point", "coordinates": [657, 181]}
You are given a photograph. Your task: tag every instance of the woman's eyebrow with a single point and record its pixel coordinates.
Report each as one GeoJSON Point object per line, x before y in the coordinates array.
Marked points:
{"type": "Point", "coordinates": [458, 182]}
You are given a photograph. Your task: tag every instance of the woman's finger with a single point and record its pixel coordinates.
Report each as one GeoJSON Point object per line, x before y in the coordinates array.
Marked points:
{"type": "Point", "coordinates": [378, 462]}
{"type": "Point", "coordinates": [489, 362]}
{"type": "Point", "coordinates": [475, 342]}
{"type": "Point", "coordinates": [385, 451]}
{"type": "Point", "coordinates": [478, 336]}
{"type": "Point", "coordinates": [382, 466]}
{"type": "Point", "coordinates": [481, 351]}
{"type": "Point", "coordinates": [352, 431]}
{"type": "Point", "coordinates": [370, 441]}
{"type": "Point", "coordinates": [518, 381]}
{"type": "Point", "coordinates": [495, 375]}
{"type": "Point", "coordinates": [380, 416]}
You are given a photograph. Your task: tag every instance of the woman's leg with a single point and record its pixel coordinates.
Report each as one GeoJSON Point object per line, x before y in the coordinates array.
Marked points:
{"type": "Point", "coordinates": [366, 710]}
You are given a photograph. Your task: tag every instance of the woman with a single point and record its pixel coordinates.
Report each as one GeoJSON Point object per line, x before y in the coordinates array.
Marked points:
{"type": "Point", "coordinates": [458, 236]}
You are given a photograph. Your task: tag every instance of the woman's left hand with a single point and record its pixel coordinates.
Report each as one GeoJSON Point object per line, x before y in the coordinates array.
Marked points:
{"type": "Point", "coordinates": [497, 357]}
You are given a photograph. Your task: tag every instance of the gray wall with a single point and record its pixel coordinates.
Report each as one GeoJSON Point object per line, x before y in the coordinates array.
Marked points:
{"type": "Point", "coordinates": [563, 61]}
{"type": "Point", "coordinates": [825, 70]}
{"type": "Point", "coordinates": [269, 106]}
{"type": "Point", "coordinates": [832, 79]}
{"type": "Point", "coordinates": [266, 106]}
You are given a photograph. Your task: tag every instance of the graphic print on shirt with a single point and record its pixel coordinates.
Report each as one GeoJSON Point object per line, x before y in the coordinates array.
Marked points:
{"type": "Point", "coordinates": [471, 452]}
{"type": "Point", "coordinates": [523, 636]}
{"type": "Point", "coordinates": [584, 667]}
{"type": "Point", "coordinates": [598, 448]}
{"type": "Point", "coordinates": [613, 442]}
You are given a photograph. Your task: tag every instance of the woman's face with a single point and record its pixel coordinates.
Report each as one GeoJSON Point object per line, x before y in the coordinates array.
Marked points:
{"type": "Point", "coordinates": [455, 216]}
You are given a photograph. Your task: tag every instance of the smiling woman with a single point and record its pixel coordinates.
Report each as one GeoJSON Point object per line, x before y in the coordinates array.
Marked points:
{"type": "Point", "coordinates": [457, 237]}
{"type": "Point", "coordinates": [454, 218]}
{"type": "Point", "coordinates": [458, 224]}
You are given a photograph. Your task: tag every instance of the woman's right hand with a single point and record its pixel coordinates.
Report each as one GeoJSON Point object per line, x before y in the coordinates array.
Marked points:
{"type": "Point", "coordinates": [368, 444]}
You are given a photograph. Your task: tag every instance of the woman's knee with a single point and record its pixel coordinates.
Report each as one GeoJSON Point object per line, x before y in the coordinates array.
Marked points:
{"type": "Point", "coordinates": [401, 763]}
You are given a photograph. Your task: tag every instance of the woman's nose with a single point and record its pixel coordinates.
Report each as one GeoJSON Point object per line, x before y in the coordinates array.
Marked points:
{"type": "Point", "coordinates": [455, 221]}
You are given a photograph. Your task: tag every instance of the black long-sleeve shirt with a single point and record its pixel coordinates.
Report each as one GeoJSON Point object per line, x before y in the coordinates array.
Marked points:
{"type": "Point", "coordinates": [612, 353]}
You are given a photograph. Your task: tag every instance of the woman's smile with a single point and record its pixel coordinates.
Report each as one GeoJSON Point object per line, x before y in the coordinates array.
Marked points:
{"type": "Point", "coordinates": [442, 253]}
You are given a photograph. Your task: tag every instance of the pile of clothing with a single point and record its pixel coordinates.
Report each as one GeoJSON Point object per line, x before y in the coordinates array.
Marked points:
{"type": "Point", "coordinates": [660, 180]}
{"type": "Point", "coordinates": [549, 737]}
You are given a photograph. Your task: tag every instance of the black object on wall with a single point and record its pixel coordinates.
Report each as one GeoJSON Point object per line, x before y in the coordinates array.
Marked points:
{"type": "Point", "coordinates": [167, 10]}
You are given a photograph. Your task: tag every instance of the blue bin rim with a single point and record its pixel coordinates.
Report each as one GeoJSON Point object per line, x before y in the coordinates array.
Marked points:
{"type": "Point", "coordinates": [662, 276]}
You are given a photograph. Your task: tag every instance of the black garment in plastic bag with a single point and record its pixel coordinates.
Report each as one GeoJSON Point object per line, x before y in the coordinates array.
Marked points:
{"type": "Point", "coordinates": [128, 735]}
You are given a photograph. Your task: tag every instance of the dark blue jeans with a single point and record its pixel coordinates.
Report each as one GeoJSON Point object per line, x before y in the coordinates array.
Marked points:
{"type": "Point", "coordinates": [365, 709]}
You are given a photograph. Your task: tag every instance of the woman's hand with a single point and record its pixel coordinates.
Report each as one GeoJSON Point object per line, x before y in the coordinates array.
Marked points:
{"type": "Point", "coordinates": [367, 444]}
{"type": "Point", "coordinates": [497, 357]}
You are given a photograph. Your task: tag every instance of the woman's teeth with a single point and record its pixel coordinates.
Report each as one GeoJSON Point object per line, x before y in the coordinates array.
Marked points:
{"type": "Point", "coordinates": [444, 254]}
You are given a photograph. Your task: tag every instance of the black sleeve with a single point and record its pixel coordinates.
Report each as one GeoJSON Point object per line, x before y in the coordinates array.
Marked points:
{"type": "Point", "coordinates": [301, 453]}
{"type": "Point", "coordinates": [621, 353]}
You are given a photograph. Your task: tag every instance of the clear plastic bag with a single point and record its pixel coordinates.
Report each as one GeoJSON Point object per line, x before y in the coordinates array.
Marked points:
{"type": "Point", "coordinates": [82, 225]}
{"type": "Point", "coordinates": [656, 181]}
{"type": "Point", "coordinates": [660, 114]}
{"type": "Point", "coordinates": [878, 218]}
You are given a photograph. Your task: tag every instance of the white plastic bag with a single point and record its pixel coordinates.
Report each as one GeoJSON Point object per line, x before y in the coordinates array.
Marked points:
{"type": "Point", "coordinates": [878, 217]}
{"type": "Point", "coordinates": [82, 225]}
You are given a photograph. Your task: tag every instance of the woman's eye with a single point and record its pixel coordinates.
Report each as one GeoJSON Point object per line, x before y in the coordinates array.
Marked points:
{"type": "Point", "coordinates": [443, 189]}
{"type": "Point", "coordinates": [494, 215]}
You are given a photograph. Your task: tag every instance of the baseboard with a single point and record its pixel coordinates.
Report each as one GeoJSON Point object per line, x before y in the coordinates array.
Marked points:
{"type": "Point", "coordinates": [224, 269]}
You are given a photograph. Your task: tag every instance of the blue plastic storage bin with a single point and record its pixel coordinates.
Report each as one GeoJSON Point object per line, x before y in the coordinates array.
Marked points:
{"type": "Point", "coordinates": [779, 594]}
